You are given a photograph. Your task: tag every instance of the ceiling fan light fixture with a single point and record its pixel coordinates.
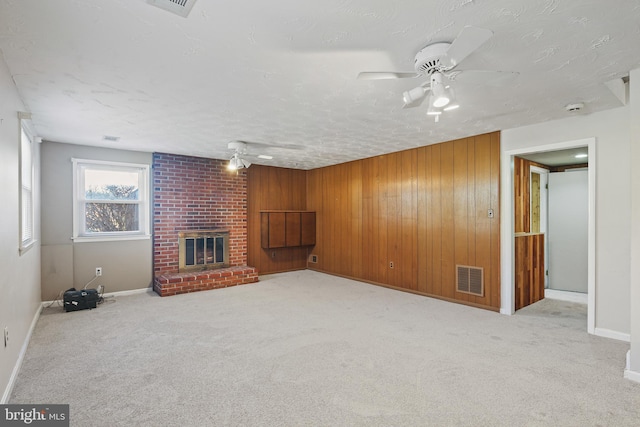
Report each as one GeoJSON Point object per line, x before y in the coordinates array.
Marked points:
{"type": "Point", "coordinates": [441, 101]}
{"type": "Point", "coordinates": [236, 162]}
{"type": "Point", "coordinates": [440, 96]}
{"type": "Point", "coordinates": [433, 110]}
{"type": "Point", "coordinates": [453, 103]}
{"type": "Point", "coordinates": [233, 163]}
{"type": "Point", "coordinates": [413, 95]}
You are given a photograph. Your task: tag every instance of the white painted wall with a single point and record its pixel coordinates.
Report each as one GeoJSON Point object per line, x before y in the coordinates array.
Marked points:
{"type": "Point", "coordinates": [19, 274]}
{"type": "Point", "coordinates": [613, 205]}
{"type": "Point", "coordinates": [126, 265]}
{"type": "Point", "coordinates": [633, 371]}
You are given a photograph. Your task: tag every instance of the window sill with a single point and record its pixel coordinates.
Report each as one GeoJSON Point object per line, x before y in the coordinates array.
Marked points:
{"type": "Point", "coordinates": [94, 239]}
{"type": "Point", "coordinates": [25, 248]}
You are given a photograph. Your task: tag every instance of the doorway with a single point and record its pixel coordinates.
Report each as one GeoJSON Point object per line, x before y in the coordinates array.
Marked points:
{"type": "Point", "coordinates": [507, 223]}
{"type": "Point", "coordinates": [568, 225]}
{"type": "Point", "coordinates": [559, 193]}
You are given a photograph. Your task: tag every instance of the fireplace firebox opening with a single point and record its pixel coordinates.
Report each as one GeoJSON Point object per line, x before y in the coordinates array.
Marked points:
{"type": "Point", "coordinates": [203, 250]}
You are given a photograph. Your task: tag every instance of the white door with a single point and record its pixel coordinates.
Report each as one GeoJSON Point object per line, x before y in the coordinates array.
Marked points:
{"type": "Point", "coordinates": [568, 226]}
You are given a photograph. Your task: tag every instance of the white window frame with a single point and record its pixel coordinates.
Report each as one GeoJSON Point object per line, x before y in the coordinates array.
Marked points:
{"type": "Point", "coordinates": [27, 190]}
{"type": "Point", "coordinates": [79, 201]}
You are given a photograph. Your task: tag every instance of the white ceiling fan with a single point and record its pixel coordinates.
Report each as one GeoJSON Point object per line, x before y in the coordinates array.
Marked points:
{"type": "Point", "coordinates": [241, 152]}
{"type": "Point", "coordinates": [238, 160]}
{"type": "Point", "coordinates": [438, 62]}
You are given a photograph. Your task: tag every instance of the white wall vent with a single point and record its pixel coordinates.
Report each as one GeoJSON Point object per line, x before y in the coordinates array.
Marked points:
{"type": "Point", "coordinates": [179, 7]}
{"type": "Point", "coordinates": [470, 280]}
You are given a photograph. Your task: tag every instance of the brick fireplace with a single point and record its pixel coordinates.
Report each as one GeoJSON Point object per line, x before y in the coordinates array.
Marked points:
{"type": "Point", "coordinates": [192, 194]}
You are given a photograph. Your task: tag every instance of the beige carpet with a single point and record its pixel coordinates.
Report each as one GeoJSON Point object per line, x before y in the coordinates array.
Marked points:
{"type": "Point", "coordinates": [305, 348]}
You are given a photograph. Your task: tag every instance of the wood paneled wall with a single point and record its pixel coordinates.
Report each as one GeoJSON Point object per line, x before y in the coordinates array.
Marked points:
{"type": "Point", "coordinates": [406, 219]}
{"type": "Point", "coordinates": [271, 188]}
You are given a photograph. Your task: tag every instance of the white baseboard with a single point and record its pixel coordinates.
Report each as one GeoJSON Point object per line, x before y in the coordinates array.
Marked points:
{"type": "Point", "coordinates": [632, 375]}
{"type": "Point", "coordinates": [125, 293]}
{"type": "Point", "coordinates": [18, 365]}
{"type": "Point", "coordinates": [608, 333]}
{"type": "Point", "coordinates": [112, 294]}
{"type": "Point", "coordinates": [628, 373]}
{"type": "Point", "coordinates": [566, 296]}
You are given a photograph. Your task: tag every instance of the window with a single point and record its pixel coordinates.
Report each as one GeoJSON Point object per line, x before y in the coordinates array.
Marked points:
{"type": "Point", "coordinates": [26, 191]}
{"type": "Point", "coordinates": [111, 201]}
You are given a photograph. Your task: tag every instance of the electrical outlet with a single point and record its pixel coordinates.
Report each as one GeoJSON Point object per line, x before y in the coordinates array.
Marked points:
{"type": "Point", "coordinates": [273, 254]}
{"type": "Point", "coordinates": [98, 271]}
{"type": "Point", "coordinates": [6, 335]}
{"type": "Point", "coordinates": [391, 264]}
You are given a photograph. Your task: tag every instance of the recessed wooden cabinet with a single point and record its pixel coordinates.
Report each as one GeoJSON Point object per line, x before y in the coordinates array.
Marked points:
{"type": "Point", "coordinates": [280, 229]}
{"type": "Point", "coordinates": [272, 231]}
{"type": "Point", "coordinates": [307, 228]}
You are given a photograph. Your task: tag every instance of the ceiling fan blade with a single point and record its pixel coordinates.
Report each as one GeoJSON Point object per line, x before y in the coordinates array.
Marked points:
{"type": "Point", "coordinates": [469, 39]}
{"type": "Point", "coordinates": [385, 75]}
{"type": "Point", "coordinates": [484, 77]}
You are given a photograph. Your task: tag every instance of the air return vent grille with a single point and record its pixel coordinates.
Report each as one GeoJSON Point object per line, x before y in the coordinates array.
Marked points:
{"type": "Point", "coordinates": [470, 280]}
{"type": "Point", "coordinates": [179, 7]}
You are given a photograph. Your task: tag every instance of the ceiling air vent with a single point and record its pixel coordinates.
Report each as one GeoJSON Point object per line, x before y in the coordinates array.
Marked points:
{"type": "Point", "coordinates": [469, 280]}
{"type": "Point", "coordinates": [179, 7]}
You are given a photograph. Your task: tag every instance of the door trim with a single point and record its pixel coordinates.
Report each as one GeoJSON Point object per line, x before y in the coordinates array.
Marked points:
{"type": "Point", "coordinates": [507, 279]}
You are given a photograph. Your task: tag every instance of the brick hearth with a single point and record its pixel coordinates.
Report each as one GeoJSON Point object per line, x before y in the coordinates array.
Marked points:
{"type": "Point", "coordinates": [181, 283]}
{"type": "Point", "coordinates": [194, 193]}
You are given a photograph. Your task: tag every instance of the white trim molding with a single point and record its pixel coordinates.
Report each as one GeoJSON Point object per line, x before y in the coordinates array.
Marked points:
{"type": "Point", "coordinates": [143, 201]}
{"type": "Point", "coordinates": [46, 304]}
{"type": "Point", "coordinates": [628, 373]}
{"type": "Point", "coordinates": [576, 297]}
{"type": "Point", "coordinates": [615, 335]}
{"type": "Point", "coordinates": [130, 292]}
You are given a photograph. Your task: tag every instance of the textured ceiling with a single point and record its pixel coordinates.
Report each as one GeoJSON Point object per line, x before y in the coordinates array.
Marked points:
{"type": "Point", "coordinates": [283, 72]}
